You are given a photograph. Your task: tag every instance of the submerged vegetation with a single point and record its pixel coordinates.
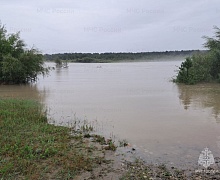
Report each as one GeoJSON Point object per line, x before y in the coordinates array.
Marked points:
{"type": "Point", "coordinates": [203, 67]}
{"type": "Point", "coordinates": [17, 63]}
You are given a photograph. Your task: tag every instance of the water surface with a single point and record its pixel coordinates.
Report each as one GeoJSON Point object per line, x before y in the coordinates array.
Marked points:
{"type": "Point", "coordinates": [164, 121]}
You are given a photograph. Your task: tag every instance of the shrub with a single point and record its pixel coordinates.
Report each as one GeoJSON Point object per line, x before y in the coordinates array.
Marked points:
{"type": "Point", "coordinates": [18, 64]}
{"type": "Point", "coordinates": [202, 67]}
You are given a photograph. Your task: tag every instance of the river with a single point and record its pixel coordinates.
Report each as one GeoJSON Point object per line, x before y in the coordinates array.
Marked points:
{"type": "Point", "coordinates": [136, 101]}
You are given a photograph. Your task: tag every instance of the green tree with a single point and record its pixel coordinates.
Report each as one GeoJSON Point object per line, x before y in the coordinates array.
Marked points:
{"type": "Point", "coordinates": [184, 69]}
{"type": "Point", "coordinates": [58, 62]}
{"type": "Point", "coordinates": [213, 44]}
{"type": "Point", "coordinates": [18, 64]}
{"type": "Point", "coordinates": [202, 67]}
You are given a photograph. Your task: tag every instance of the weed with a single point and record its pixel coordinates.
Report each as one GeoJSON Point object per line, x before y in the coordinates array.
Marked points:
{"type": "Point", "coordinates": [111, 145]}
{"type": "Point", "coordinates": [123, 143]}
{"type": "Point", "coordinates": [100, 139]}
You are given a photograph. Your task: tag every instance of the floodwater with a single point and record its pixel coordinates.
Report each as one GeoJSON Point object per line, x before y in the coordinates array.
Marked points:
{"type": "Point", "coordinates": [165, 122]}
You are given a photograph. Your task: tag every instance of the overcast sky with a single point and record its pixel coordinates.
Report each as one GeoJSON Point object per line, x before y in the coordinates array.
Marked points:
{"type": "Point", "coordinates": [111, 25]}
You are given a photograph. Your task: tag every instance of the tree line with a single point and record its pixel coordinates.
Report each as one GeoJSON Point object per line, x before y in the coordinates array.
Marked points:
{"type": "Point", "coordinates": [21, 65]}
{"type": "Point", "coordinates": [114, 57]}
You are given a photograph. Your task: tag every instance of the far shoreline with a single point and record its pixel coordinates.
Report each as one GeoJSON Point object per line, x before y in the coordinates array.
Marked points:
{"type": "Point", "coordinates": [120, 57]}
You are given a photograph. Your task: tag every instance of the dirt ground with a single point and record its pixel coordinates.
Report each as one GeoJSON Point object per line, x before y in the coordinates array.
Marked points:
{"type": "Point", "coordinates": [123, 166]}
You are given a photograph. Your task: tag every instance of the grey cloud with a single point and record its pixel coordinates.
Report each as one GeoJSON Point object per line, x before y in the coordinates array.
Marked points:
{"type": "Point", "coordinates": [112, 26]}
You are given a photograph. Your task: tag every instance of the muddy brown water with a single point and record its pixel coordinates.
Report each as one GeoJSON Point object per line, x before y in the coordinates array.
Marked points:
{"type": "Point", "coordinates": [163, 121]}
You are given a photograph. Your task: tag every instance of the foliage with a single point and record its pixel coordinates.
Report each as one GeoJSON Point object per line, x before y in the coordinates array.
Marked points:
{"type": "Point", "coordinates": [184, 73]}
{"type": "Point", "coordinates": [58, 62]}
{"type": "Point", "coordinates": [114, 57]}
{"type": "Point", "coordinates": [195, 69]}
{"type": "Point", "coordinates": [213, 43]}
{"type": "Point", "coordinates": [18, 64]}
{"type": "Point", "coordinates": [215, 66]}
{"type": "Point", "coordinates": [202, 67]}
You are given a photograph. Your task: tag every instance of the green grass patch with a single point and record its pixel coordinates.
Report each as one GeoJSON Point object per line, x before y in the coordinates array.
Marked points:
{"type": "Point", "coordinates": [30, 148]}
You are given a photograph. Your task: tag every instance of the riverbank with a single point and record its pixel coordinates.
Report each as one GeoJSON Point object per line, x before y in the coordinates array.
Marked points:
{"type": "Point", "coordinates": [33, 149]}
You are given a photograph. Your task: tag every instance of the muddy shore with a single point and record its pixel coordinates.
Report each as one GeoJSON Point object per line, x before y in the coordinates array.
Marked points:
{"type": "Point", "coordinates": [123, 164]}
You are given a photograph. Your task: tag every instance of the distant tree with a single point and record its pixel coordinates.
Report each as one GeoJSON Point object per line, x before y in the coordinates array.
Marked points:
{"type": "Point", "coordinates": [18, 64]}
{"type": "Point", "coordinates": [58, 62]}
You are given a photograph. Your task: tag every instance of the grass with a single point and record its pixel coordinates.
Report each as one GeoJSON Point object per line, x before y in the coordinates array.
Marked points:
{"type": "Point", "coordinates": [30, 148]}
{"type": "Point", "coordinates": [123, 143]}
{"type": "Point", "coordinates": [109, 144]}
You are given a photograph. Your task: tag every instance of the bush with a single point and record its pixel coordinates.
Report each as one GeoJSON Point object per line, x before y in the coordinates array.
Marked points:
{"type": "Point", "coordinates": [17, 64]}
{"type": "Point", "coordinates": [215, 66]}
{"type": "Point", "coordinates": [184, 71]}
{"type": "Point", "coordinates": [202, 67]}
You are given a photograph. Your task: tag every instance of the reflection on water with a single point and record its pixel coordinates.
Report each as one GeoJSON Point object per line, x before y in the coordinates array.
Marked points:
{"type": "Point", "coordinates": [134, 101]}
{"type": "Point", "coordinates": [22, 92]}
{"type": "Point", "coordinates": [201, 96]}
